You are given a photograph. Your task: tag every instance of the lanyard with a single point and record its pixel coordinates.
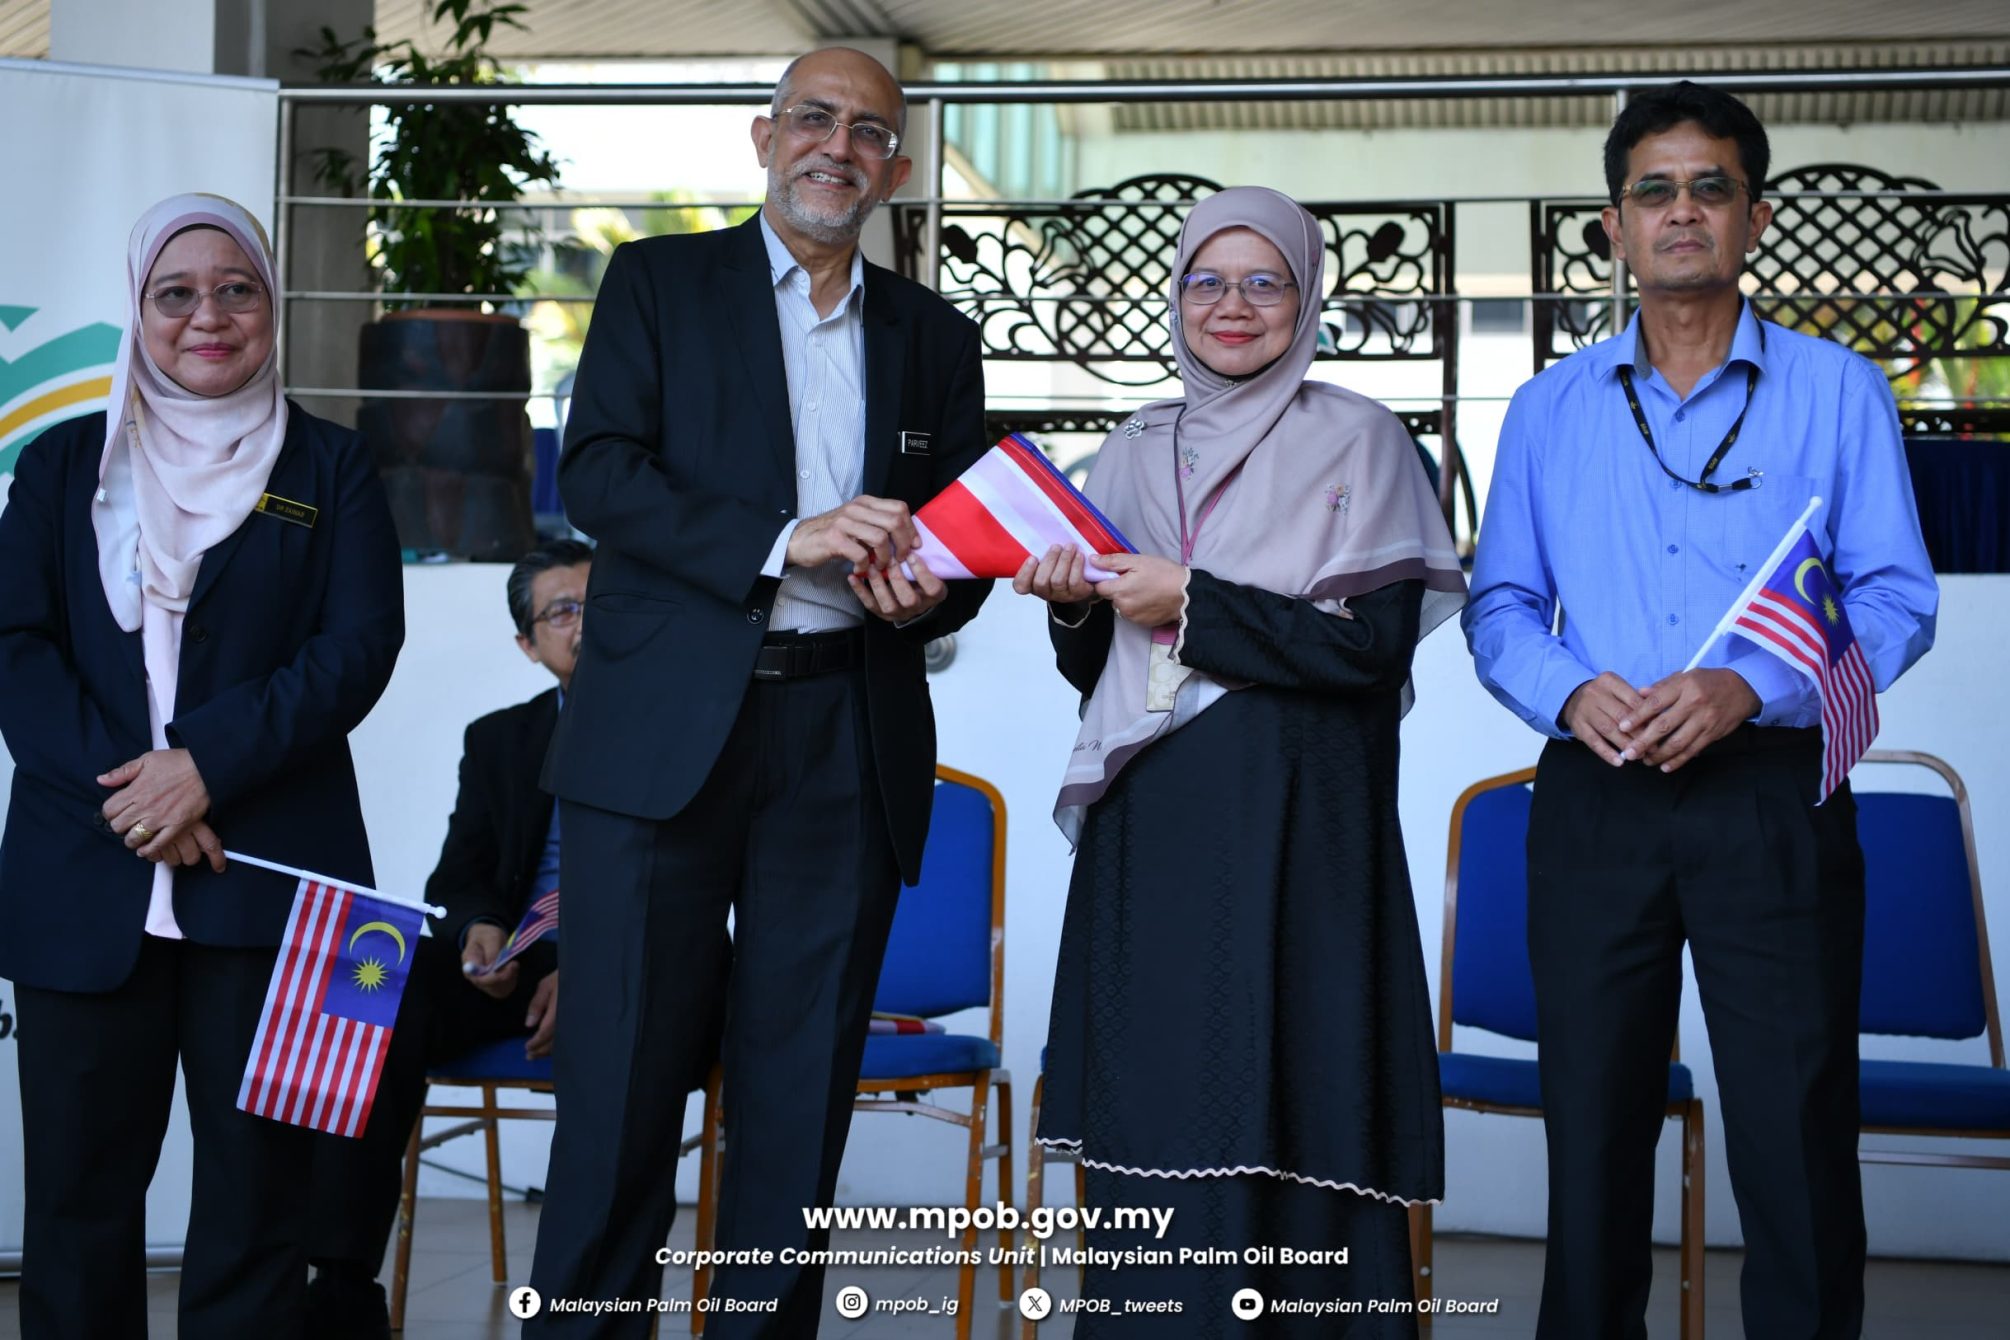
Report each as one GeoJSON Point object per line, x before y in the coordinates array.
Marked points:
{"type": "Point", "coordinates": [1702, 483]}
{"type": "Point", "coordinates": [1188, 541]}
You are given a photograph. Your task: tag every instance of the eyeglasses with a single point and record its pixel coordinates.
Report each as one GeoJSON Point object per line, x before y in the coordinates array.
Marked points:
{"type": "Point", "coordinates": [1205, 290]}
{"type": "Point", "coordinates": [815, 125]}
{"type": "Point", "coordinates": [236, 298]}
{"type": "Point", "coordinates": [1712, 192]}
{"type": "Point", "coordinates": [560, 614]}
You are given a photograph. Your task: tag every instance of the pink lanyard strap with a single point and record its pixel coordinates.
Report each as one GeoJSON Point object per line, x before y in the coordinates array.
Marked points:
{"type": "Point", "coordinates": [1188, 540]}
{"type": "Point", "coordinates": [1167, 634]}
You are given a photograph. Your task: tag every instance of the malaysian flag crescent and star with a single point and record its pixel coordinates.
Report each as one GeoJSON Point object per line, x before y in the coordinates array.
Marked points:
{"type": "Point", "coordinates": [1794, 610]}
{"type": "Point", "coordinates": [330, 1008]}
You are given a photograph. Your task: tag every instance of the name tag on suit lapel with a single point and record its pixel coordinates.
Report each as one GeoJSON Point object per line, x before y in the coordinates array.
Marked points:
{"type": "Point", "coordinates": [916, 444]}
{"type": "Point", "coordinates": [299, 513]}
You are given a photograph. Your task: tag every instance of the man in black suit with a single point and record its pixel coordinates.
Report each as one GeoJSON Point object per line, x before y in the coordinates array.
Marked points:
{"type": "Point", "coordinates": [756, 412]}
{"type": "Point", "coordinates": [501, 853]}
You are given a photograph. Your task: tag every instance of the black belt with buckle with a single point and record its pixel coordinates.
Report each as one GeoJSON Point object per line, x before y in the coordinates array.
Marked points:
{"type": "Point", "coordinates": [795, 655]}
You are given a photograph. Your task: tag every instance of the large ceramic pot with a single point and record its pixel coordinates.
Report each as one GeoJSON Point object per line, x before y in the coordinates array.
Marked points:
{"type": "Point", "coordinates": [458, 470]}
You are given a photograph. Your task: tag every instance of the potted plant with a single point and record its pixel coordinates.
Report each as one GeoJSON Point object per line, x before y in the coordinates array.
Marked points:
{"type": "Point", "coordinates": [458, 470]}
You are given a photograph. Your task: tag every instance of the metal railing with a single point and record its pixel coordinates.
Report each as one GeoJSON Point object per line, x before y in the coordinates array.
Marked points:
{"type": "Point", "coordinates": [931, 97]}
{"type": "Point", "coordinates": [921, 220]}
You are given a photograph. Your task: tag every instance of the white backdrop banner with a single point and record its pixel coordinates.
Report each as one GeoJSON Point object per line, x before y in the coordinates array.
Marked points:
{"type": "Point", "coordinates": [88, 149]}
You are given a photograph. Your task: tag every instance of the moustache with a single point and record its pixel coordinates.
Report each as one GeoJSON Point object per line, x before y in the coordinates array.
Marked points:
{"type": "Point", "coordinates": [830, 169]}
{"type": "Point", "coordinates": [1703, 240]}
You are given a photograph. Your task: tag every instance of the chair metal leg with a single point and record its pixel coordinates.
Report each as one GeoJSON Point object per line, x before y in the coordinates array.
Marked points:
{"type": "Point", "coordinates": [491, 1134]}
{"type": "Point", "coordinates": [1692, 1220]}
{"type": "Point", "coordinates": [1006, 1238]}
{"type": "Point", "coordinates": [1420, 1260]}
{"type": "Point", "coordinates": [408, 1205]}
{"type": "Point", "coordinates": [708, 1197]}
{"type": "Point", "coordinates": [1036, 1189]}
{"type": "Point", "coordinates": [973, 1197]}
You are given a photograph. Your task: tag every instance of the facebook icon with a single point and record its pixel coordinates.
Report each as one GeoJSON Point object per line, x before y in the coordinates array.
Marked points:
{"type": "Point", "coordinates": [525, 1302]}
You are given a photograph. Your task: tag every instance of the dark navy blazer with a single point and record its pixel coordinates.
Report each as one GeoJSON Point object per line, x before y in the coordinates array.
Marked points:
{"type": "Point", "coordinates": [680, 460]}
{"type": "Point", "coordinates": [289, 639]}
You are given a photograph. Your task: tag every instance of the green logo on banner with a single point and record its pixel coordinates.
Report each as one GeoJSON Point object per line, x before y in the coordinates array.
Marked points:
{"type": "Point", "coordinates": [44, 384]}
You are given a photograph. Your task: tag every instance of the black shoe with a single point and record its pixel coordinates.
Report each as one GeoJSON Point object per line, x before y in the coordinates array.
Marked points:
{"type": "Point", "coordinates": [345, 1305]}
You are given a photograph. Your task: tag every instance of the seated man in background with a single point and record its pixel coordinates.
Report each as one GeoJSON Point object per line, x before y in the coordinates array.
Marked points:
{"type": "Point", "coordinates": [500, 855]}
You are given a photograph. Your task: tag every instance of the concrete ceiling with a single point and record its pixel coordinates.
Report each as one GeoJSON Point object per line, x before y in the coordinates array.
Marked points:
{"type": "Point", "coordinates": [967, 28]}
{"type": "Point", "coordinates": [1070, 27]}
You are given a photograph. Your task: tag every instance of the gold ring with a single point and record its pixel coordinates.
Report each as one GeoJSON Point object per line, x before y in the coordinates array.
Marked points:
{"type": "Point", "coordinates": [146, 834]}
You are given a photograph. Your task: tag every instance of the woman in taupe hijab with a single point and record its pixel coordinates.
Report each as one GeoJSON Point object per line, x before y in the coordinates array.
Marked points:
{"type": "Point", "coordinates": [1241, 1025]}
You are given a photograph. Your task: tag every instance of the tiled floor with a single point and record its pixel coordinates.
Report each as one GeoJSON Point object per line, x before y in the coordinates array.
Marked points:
{"type": "Point", "coordinates": [453, 1298]}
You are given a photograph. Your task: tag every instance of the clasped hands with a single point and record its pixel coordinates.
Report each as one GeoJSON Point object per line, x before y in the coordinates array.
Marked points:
{"type": "Point", "coordinates": [875, 536]}
{"type": "Point", "coordinates": [1664, 725]}
{"type": "Point", "coordinates": [1146, 590]}
{"type": "Point", "coordinates": [158, 809]}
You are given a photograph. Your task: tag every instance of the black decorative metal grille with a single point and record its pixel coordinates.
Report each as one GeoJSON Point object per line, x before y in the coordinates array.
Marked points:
{"type": "Point", "coordinates": [1085, 280]}
{"type": "Point", "coordinates": [1853, 254]}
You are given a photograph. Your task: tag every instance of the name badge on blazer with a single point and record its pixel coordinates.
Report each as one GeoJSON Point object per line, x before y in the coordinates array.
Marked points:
{"type": "Point", "coordinates": [299, 513]}
{"type": "Point", "coordinates": [916, 444]}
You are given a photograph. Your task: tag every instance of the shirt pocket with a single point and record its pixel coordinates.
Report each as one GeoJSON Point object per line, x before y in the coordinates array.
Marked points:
{"type": "Point", "coordinates": [1759, 518]}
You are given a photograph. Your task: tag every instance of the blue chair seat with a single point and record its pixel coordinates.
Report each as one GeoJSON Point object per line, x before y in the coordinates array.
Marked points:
{"type": "Point", "coordinates": [492, 1060]}
{"type": "Point", "coordinates": [1924, 1095]}
{"type": "Point", "coordinates": [1508, 1081]}
{"type": "Point", "coordinates": [897, 1056]}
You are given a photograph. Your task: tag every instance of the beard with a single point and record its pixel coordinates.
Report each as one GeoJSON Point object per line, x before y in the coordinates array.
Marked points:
{"type": "Point", "coordinates": [830, 225]}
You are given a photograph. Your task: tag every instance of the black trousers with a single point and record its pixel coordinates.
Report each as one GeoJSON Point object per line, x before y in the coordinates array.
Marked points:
{"type": "Point", "coordinates": [97, 1085]}
{"type": "Point", "coordinates": [356, 1182]}
{"type": "Point", "coordinates": [1730, 854]}
{"type": "Point", "coordinates": [789, 832]}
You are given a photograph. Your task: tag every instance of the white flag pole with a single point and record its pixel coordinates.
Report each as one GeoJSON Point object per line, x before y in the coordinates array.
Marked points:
{"type": "Point", "coordinates": [1744, 596]}
{"type": "Point", "coordinates": [429, 909]}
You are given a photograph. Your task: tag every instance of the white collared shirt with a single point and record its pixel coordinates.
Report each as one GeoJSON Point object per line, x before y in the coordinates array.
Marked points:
{"type": "Point", "coordinates": [825, 360]}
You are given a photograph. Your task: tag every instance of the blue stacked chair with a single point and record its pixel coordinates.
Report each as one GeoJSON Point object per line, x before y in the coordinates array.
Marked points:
{"type": "Point", "coordinates": [1926, 970]}
{"type": "Point", "coordinates": [1485, 984]}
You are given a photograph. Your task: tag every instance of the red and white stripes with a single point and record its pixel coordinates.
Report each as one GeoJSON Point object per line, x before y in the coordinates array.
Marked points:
{"type": "Point", "coordinates": [1009, 506]}
{"type": "Point", "coordinates": [1789, 631]}
{"type": "Point", "coordinates": [308, 1067]}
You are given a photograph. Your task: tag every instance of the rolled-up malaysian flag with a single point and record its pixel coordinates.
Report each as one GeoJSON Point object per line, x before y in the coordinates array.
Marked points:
{"type": "Point", "coordinates": [1013, 504]}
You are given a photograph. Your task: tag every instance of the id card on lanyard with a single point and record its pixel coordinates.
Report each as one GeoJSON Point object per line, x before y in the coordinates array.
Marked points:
{"type": "Point", "coordinates": [1164, 675]}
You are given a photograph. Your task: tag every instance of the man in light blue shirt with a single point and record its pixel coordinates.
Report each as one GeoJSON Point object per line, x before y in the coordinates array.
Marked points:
{"type": "Point", "coordinates": [1639, 486]}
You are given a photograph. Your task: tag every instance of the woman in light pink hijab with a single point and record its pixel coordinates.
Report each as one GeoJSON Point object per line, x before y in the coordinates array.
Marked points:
{"type": "Point", "coordinates": [203, 597]}
{"type": "Point", "coordinates": [1241, 1028]}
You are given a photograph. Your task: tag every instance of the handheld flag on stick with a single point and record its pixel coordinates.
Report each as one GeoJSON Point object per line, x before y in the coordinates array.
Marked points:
{"type": "Point", "coordinates": [540, 919]}
{"type": "Point", "coordinates": [331, 1005]}
{"type": "Point", "coordinates": [1012, 505]}
{"type": "Point", "coordinates": [1793, 609]}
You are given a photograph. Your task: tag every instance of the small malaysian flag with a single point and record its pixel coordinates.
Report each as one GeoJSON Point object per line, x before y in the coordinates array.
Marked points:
{"type": "Point", "coordinates": [330, 1008]}
{"type": "Point", "coordinates": [539, 920]}
{"type": "Point", "coordinates": [1795, 612]}
{"type": "Point", "coordinates": [1012, 505]}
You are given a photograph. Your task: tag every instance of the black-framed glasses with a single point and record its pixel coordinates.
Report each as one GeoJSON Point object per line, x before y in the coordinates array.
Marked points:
{"type": "Point", "coordinates": [1205, 290]}
{"type": "Point", "coordinates": [1712, 192]}
{"type": "Point", "coordinates": [815, 125]}
{"type": "Point", "coordinates": [560, 614]}
{"type": "Point", "coordinates": [237, 297]}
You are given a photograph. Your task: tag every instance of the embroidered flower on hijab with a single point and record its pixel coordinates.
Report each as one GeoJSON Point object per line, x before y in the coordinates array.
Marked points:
{"type": "Point", "coordinates": [1337, 498]}
{"type": "Point", "coordinates": [1189, 461]}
